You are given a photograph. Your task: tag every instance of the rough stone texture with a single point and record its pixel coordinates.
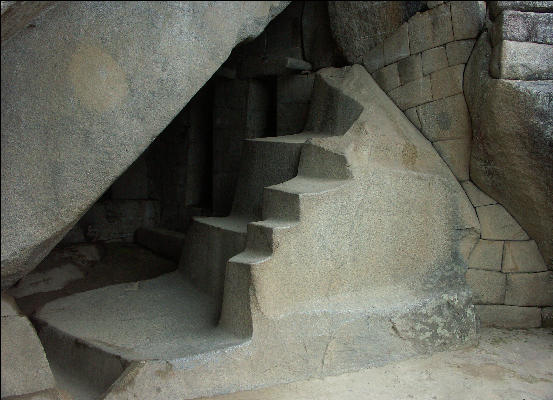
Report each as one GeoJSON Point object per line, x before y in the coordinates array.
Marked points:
{"type": "Point", "coordinates": [523, 27]}
{"type": "Point", "coordinates": [293, 98]}
{"type": "Point", "coordinates": [498, 224]}
{"type": "Point", "coordinates": [396, 46]}
{"type": "Point", "coordinates": [433, 4]}
{"type": "Point", "coordinates": [467, 18]}
{"type": "Point", "coordinates": [547, 317]}
{"type": "Point", "coordinates": [9, 307]}
{"type": "Point", "coordinates": [522, 60]}
{"type": "Point", "coordinates": [430, 29]}
{"type": "Point", "coordinates": [24, 365]}
{"type": "Point", "coordinates": [487, 254]}
{"type": "Point", "coordinates": [456, 154]}
{"type": "Point", "coordinates": [512, 151]}
{"type": "Point", "coordinates": [501, 316]}
{"type": "Point", "coordinates": [533, 289]}
{"type": "Point", "coordinates": [411, 113]}
{"type": "Point", "coordinates": [447, 82]}
{"type": "Point", "coordinates": [50, 394]}
{"type": "Point", "coordinates": [358, 27]}
{"type": "Point", "coordinates": [410, 69]}
{"type": "Point", "coordinates": [16, 15]}
{"type": "Point", "coordinates": [497, 7]}
{"type": "Point", "coordinates": [434, 60]}
{"type": "Point", "coordinates": [284, 302]}
{"type": "Point", "coordinates": [375, 58]}
{"type": "Point", "coordinates": [488, 287]}
{"type": "Point", "coordinates": [445, 119]}
{"type": "Point", "coordinates": [522, 257]}
{"type": "Point", "coordinates": [476, 196]}
{"type": "Point", "coordinates": [458, 52]}
{"type": "Point", "coordinates": [87, 105]}
{"type": "Point", "coordinates": [318, 44]}
{"type": "Point", "coordinates": [387, 77]}
{"type": "Point", "coordinates": [412, 94]}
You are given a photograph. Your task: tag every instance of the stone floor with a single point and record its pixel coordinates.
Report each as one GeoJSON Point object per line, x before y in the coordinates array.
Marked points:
{"type": "Point", "coordinates": [506, 365]}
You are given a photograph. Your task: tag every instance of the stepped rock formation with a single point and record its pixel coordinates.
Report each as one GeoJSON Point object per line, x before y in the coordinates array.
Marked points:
{"type": "Point", "coordinates": [85, 89]}
{"type": "Point", "coordinates": [357, 260]}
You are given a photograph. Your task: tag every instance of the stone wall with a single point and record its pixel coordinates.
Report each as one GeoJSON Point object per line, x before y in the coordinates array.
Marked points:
{"type": "Point", "coordinates": [421, 67]}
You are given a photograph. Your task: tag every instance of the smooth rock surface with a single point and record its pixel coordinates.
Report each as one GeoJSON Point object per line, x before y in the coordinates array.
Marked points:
{"type": "Point", "coordinates": [487, 254]}
{"type": "Point", "coordinates": [434, 59]}
{"type": "Point", "coordinates": [506, 364]}
{"type": "Point", "coordinates": [488, 287]}
{"type": "Point", "coordinates": [410, 69]}
{"type": "Point", "coordinates": [447, 82]}
{"type": "Point", "coordinates": [387, 77]}
{"type": "Point", "coordinates": [512, 151]}
{"type": "Point", "coordinates": [456, 154]}
{"type": "Point", "coordinates": [498, 224]}
{"type": "Point", "coordinates": [458, 52]}
{"type": "Point", "coordinates": [25, 368]}
{"type": "Point", "coordinates": [9, 307]}
{"type": "Point", "coordinates": [501, 316]}
{"type": "Point", "coordinates": [522, 257]}
{"type": "Point", "coordinates": [531, 289]}
{"type": "Point", "coordinates": [467, 18]}
{"type": "Point", "coordinates": [445, 119]}
{"type": "Point", "coordinates": [86, 91]}
{"type": "Point", "coordinates": [522, 60]}
{"type": "Point", "coordinates": [412, 94]}
{"type": "Point", "coordinates": [430, 29]}
{"type": "Point", "coordinates": [476, 196]}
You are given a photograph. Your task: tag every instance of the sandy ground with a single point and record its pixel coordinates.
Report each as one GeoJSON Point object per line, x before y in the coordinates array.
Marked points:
{"type": "Point", "coordinates": [506, 365]}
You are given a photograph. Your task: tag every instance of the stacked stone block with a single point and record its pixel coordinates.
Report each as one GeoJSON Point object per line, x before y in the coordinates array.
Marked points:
{"type": "Point", "coordinates": [511, 284]}
{"type": "Point", "coordinates": [421, 67]}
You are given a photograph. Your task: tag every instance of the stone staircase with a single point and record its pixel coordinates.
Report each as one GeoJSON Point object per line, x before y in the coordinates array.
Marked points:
{"type": "Point", "coordinates": [346, 247]}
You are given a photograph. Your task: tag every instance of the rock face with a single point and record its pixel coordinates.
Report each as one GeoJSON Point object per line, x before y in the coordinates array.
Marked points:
{"type": "Point", "coordinates": [85, 89]}
{"type": "Point", "coordinates": [512, 151]}
{"type": "Point", "coordinates": [359, 26]}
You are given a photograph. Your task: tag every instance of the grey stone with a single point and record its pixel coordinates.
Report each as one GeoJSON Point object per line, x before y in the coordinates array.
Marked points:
{"type": "Point", "coordinates": [500, 316]}
{"type": "Point", "coordinates": [456, 154]}
{"type": "Point", "coordinates": [25, 368]}
{"type": "Point", "coordinates": [166, 243]}
{"type": "Point", "coordinates": [50, 394]}
{"type": "Point", "coordinates": [487, 254]}
{"type": "Point", "coordinates": [547, 317]}
{"type": "Point", "coordinates": [476, 196]}
{"type": "Point", "coordinates": [396, 46]}
{"type": "Point", "coordinates": [412, 94]}
{"type": "Point", "coordinates": [523, 27]}
{"type": "Point", "coordinates": [410, 69]}
{"type": "Point", "coordinates": [434, 60]}
{"type": "Point", "coordinates": [318, 44]}
{"type": "Point", "coordinates": [17, 15]}
{"type": "Point", "coordinates": [430, 29]}
{"type": "Point", "coordinates": [293, 233]}
{"type": "Point", "coordinates": [467, 18]}
{"type": "Point", "coordinates": [291, 117]}
{"type": "Point", "coordinates": [488, 287]}
{"type": "Point", "coordinates": [445, 119]}
{"type": "Point", "coordinates": [498, 224]}
{"type": "Point", "coordinates": [497, 7]}
{"type": "Point", "coordinates": [522, 257]}
{"type": "Point", "coordinates": [447, 82]}
{"type": "Point", "coordinates": [359, 26]}
{"type": "Point", "coordinates": [117, 76]}
{"type": "Point", "coordinates": [9, 307]}
{"type": "Point", "coordinates": [374, 59]}
{"type": "Point", "coordinates": [47, 281]}
{"type": "Point", "coordinates": [458, 52]}
{"type": "Point", "coordinates": [512, 151]}
{"type": "Point", "coordinates": [295, 88]}
{"type": "Point", "coordinates": [522, 60]}
{"type": "Point", "coordinates": [433, 4]}
{"type": "Point", "coordinates": [387, 77]}
{"type": "Point", "coordinates": [532, 289]}
{"type": "Point", "coordinates": [133, 183]}
{"type": "Point", "coordinates": [411, 113]}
